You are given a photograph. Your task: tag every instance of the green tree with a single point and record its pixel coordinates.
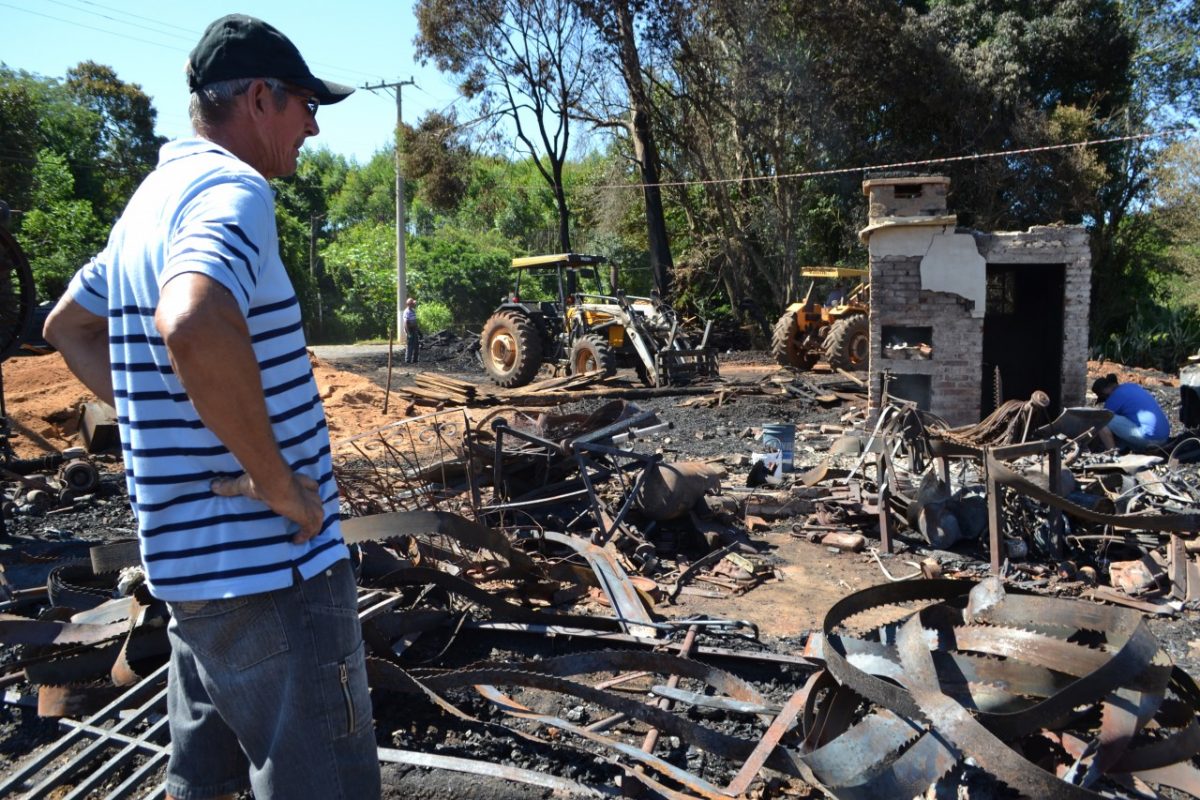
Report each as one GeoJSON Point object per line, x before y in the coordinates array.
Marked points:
{"type": "Point", "coordinates": [18, 141]}
{"type": "Point", "coordinates": [59, 234]}
{"type": "Point", "coordinates": [368, 193]}
{"type": "Point", "coordinates": [122, 130]}
{"type": "Point", "coordinates": [467, 271]}
{"type": "Point", "coordinates": [528, 61]}
{"type": "Point", "coordinates": [361, 262]}
{"type": "Point", "coordinates": [302, 217]}
{"type": "Point", "coordinates": [436, 159]}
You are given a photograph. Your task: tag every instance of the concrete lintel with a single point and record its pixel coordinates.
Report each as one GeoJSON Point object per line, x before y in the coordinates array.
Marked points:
{"type": "Point", "coordinates": [889, 224]}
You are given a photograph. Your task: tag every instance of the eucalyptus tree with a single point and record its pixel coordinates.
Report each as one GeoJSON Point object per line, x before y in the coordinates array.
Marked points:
{"type": "Point", "coordinates": [526, 62]}
{"type": "Point", "coordinates": [618, 25]}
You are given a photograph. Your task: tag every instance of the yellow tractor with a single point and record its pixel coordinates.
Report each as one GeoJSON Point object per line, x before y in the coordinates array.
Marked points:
{"type": "Point", "coordinates": [836, 329]}
{"type": "Point", "coordinates": [585, 328]}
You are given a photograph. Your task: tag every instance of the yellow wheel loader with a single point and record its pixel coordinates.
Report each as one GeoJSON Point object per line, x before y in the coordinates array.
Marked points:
{"type": "Point", "coordinates": [836, 329]}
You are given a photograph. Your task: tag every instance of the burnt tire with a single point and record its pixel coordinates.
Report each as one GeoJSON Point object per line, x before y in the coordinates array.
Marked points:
{"type": "Point", "coordinates": [510, 348]}
{"type": "Point", "coordinates": [787, 344]}
{"type": "Point", "coordinates": [848, 345]}
{"type": "Point", "coordinates": [590, 353]}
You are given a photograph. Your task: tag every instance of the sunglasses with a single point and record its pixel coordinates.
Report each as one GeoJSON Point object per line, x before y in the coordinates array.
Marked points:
{"type": "Point", "coordinates": [310, 102]}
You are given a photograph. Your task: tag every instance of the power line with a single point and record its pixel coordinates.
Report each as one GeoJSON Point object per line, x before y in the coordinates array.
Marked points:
{"type": "Point", "coordinates": [188, 31]}
{"type": "Point", "coordinates": [904, 164]}
{"type": "Point", "coordinates": [193, 35]}
{"type": "Point", "coordinates": [125, 22]}
{"type": "Point", "coordinates": [90, 27]}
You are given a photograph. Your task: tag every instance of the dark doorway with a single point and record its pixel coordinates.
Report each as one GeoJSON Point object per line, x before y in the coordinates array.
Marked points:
{"type": "Point", "coordinates": [1023, 334]}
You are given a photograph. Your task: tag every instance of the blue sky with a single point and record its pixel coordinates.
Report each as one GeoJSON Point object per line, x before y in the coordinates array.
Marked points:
{"type": "Point", "coordinates": [354, 42]}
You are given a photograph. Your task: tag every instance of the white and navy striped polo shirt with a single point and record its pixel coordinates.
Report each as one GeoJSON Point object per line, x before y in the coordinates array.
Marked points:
{"type": "Point", "coordinates": [203, 210]}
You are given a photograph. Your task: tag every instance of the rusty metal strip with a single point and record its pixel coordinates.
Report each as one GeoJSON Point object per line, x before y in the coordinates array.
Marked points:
{"type": "Point", "coordinates": [1126, 679]}
{"type": "Point", "coordinates": [719, 680]}
{"type": "Point", "coordinates": [707, 739]}
{"type": "Point", "coordinates": [1182, 745]}
{"type": "Point", "coordinates": [782, 723]}
{"type": "Point", "coordinates": [1149, 522]}
{"type": "Point", "coordinates": [759, 657]}
{"type": "Point", "coordinates": [635, 754]}
{"type": "Point", "coordinates": [443, 523]}
{"type": "Point", "coordinates": [884, 693]}
{"type": "Point", "coordinates": [1182, 776]}
{"type": "Point", "coordinates": [632, 613]}
{"type": "Point", "coordinates": [966, 733]}
{"type": "Point", "coordinates": [22, 630]}
{"type": "Point", "coordinates": [498, 607]}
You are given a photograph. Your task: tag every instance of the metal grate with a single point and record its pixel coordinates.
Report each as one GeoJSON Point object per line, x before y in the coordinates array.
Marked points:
{"type": "Point", "coordinates": [126, 741]}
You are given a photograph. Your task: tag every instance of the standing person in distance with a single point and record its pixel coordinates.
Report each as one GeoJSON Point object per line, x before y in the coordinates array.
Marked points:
{"type": "Point", "coordinates": [412, 332]}
{"type": "Point", "coordinates": [188, 324]}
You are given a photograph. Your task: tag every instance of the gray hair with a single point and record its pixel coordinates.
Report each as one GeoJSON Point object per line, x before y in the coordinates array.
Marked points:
{"type": "Point", "coordinates": [210, 104]}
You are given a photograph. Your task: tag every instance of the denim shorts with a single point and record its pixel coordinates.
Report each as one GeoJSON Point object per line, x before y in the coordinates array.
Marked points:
{"type": "Point", "coordinates": [1131, 433]}
{"type": "Point", "coordinates": [269, 692]}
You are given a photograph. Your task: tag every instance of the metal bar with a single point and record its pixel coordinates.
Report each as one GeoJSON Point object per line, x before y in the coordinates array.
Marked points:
{"type": "Point", "coordinates": [541, 501]}
{"type": "Point", "coordinates": [502, 772]}
{"type": "Point", "coordinates": [626, 603]}
{"type": "Point", "coordinates": [885, 519]}
{"type": "Point", "coordinates": [136, 781]}
{"type": "Point", "coordinates": [763, 657]}
{"type": "Point", "coordinates": [779, 726]}
{"type": "Point", "coordinates": [1055, 517]}
{"type": "Point", "coordinates": [77, 762]}
{"type": "Point", "coordinates": [620, 426]}
{"type": "Point", "coordinates": [35, 765]}
{"type": "Point", "coordinates": [665, 703]}
{"type": "Point", "coordinates": [995, 537]}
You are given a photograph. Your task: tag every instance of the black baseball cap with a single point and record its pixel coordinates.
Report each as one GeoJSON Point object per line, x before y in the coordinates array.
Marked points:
{"type": "Point", "coordinates": [241, 46]}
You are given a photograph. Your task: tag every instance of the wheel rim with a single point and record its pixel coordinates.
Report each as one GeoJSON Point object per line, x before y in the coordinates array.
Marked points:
{"type": "Point", "coordinates": [585, 361]}
{"type": "Point", "coordinates": [859, 349]}
{"type": "Point", "coordinates": [503, 351]}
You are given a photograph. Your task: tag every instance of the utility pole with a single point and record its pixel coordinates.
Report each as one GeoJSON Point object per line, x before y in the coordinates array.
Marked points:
{"type": "Point", "coordinates": [401, 276]}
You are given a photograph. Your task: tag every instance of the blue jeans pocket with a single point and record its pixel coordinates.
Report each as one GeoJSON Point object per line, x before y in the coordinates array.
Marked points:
{"type": "Point", "coordinates": [348, 701]}
{"type": "Point", "coordinates": [237, 633]}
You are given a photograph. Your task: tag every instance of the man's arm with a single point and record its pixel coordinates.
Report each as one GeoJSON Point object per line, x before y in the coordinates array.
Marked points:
{"type": "Point", "coordinates": [208, 343]}
{"type": "Point", "coordinates": [82, 339]}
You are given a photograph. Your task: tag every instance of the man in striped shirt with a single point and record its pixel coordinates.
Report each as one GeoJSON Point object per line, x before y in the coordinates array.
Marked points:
{"type": "Point", "coordinates": [188, 324]}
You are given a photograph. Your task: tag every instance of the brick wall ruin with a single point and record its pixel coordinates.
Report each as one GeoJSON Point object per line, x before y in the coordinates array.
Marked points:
{"type": "Point", "coordinates": [961, 319]}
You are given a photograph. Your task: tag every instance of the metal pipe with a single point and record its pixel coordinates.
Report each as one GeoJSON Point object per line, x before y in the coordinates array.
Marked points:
{"type": "Point", "coordinates": [665, 703]}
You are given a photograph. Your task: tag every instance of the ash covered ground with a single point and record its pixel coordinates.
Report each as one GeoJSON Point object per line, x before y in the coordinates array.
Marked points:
{"type": "Point", "coordinates": [785, 610]}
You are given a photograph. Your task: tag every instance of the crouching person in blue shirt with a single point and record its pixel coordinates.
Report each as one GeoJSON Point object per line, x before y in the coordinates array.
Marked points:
{"type": "Point", "coordinates": [1138, 420]}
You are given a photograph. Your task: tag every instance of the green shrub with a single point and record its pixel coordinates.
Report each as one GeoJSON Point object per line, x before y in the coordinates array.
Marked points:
{"type": "Point", "coordinates": [1154, 336]}
{"type": "Point", "coordinates": [434, 316]}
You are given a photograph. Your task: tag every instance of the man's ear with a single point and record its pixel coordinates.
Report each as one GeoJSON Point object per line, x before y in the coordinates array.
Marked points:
{"type": "Point", "coordinates": [261, 98]}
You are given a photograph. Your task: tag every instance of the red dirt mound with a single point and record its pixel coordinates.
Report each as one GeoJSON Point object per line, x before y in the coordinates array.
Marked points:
{"type": "Point", "coordinates": [42, 399]}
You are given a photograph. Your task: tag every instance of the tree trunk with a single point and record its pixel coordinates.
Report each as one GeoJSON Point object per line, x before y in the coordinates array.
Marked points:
{"type": "Point", "coordinates": [644, 151]}
{"type": "Point", "coordinates": [564, 213]}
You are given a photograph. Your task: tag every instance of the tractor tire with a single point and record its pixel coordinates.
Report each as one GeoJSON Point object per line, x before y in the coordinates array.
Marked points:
{"type": "Point", "coordinates": [848, 345]}
{"type": "Point", "coordinates": [590, 353]}
{"type": "Point", "coordinates": [511, 349]}
{"type": "Point", "coordinates": [787, 344]}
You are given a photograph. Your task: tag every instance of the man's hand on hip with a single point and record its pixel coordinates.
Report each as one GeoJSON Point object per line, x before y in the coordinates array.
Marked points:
{"type": "Point", "coordinates": [299, 501]}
